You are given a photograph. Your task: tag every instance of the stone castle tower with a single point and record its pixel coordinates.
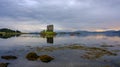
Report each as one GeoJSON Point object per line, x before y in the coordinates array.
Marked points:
{"type": "Point", "coordinates": [50, 28]}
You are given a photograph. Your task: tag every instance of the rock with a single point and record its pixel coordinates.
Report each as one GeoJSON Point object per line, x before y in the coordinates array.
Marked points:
{"type": "Point", "coordinates": [107, 46]}
{"type": "Point", "coordinates": [10, 57]}
{"type": "Point", "coordinates": [32, 56]}
{"type": "Point", "coordinates": [4, 64]}
{"type": "Point", "coordinates": [45, 58]}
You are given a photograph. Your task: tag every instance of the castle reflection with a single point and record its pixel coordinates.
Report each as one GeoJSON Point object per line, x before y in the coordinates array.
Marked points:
{"type": "Point", "coordinates": [50, 40]}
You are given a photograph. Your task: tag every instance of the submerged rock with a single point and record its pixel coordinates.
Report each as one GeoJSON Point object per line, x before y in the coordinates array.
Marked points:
{"type": "Point", "coordinates": [95, 53]}
{"type": "Point", "coordinates": [107, 46]}
{"type": "Point", "coordinates": [10, 57]}
{"type": "Point", "coordinates": [4, 64]}
{"type": "Point", "coordinates": [32, 56]}
{"type": "Point", "coordinates": [45, 58]}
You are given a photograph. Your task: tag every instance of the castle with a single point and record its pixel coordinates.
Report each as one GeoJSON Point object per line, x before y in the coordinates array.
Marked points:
{"type": "Point", "coordinates": [50, 28]}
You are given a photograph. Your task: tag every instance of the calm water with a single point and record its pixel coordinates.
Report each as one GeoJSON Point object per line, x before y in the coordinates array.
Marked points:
{"type": "Point", "coordinates": [64, 52]}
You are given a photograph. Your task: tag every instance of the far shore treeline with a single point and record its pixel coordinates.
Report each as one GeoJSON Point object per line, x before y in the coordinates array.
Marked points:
{"type": "Point", "coordinates": [6, 30]}
{"type": "Point", "coordinates": [8, 33]}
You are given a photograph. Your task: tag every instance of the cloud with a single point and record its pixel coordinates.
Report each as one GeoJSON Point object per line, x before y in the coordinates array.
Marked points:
{"type": "Point", "coordinates": [64, 14]}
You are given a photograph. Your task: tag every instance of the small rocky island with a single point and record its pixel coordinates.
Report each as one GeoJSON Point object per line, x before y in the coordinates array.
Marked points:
{"type": "Point", "coordinates": [49, 32]}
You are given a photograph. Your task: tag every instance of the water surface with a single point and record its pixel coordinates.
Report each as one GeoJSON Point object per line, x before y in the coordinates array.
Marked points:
{"type": "Point", "coordinates": [68, 51]}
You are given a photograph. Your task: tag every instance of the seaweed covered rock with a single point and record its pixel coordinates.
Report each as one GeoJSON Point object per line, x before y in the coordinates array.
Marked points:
{"type": "Point", "coordinates": [107, 46]}
{"type": "Point", "coordinates": [10, 57]}
{"type": "Point", "coordinates": [45, 58]}
{"type": "Point", "coordinates": [32, 56]}
{"type": "Point", "coordinates": [4, 64]}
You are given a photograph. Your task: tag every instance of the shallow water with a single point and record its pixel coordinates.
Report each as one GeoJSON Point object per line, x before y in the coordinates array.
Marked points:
{"type": "Point", "coordinates": [68, 51]}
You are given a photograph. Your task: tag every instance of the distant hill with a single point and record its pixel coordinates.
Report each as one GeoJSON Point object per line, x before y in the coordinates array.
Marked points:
{"type": "Point", "coordinates": [111, 31]}
{"type": "Point", "coordinates": [89, 32]}
{"type": "Point", "coordinates": [8, 33]}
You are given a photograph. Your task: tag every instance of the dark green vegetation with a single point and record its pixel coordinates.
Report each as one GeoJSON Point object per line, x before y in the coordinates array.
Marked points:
{"type": "Point", "coordinates": [6, 30]}
{"type": "Point", "coordinates": [32, 56]}
{"type": "Point", "coordinates": [7, 33]}
{"type": "Point", "coordinates": [4, 64]}
{"type": "Point", "coordinates": [47, 33]}
{"type": "Point", "coordinates": [9, 57]}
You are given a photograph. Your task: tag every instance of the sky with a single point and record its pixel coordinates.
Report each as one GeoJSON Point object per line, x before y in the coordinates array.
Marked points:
{"type": "Point", "coordinates": [65, 15]}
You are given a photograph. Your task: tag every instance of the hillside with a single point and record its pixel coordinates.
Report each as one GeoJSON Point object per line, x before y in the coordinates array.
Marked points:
{"type": "Point", "coordinates": [6, 30]}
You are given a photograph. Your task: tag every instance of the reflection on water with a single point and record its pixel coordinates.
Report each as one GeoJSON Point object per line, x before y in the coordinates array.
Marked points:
{"type": "Point", "coordinates": [68, 51]}
{"type": "Point", "coordinates": [36, 39]}
{"type": "Point", "coordinates": [6, 36]}
{"type": "Point", "coordinates": [50, 40]}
